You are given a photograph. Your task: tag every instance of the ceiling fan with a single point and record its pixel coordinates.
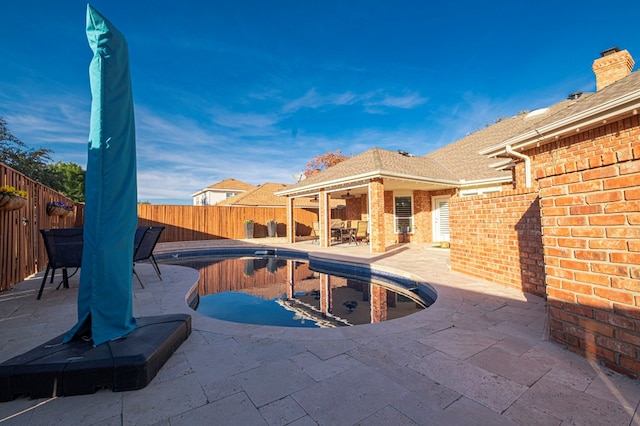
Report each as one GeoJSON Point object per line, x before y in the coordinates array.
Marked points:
{"type": "Point", "coordinates": [347, 195]}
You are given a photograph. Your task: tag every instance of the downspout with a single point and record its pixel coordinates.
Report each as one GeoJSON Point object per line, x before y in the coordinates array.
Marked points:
{"type": "Point", "coordinates": [527, 164]}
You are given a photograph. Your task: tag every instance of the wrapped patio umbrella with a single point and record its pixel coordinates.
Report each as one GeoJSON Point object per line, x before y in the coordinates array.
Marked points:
{"type": "Point", "coordinates": [107, 348]}
{"type": "Point", "coordinates": [105, 294]}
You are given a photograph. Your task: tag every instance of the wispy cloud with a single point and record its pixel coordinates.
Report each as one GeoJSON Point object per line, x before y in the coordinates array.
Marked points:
{"type": "Point", "coordinates": [312, 99]}
{"type": "Point", "coordinates": [407, 101]}
{"type": "Point", "coordinates": [179, 155]}
{"type": "Point", "coordinates": [244, 120]}
{"type": "Point", "coordinates": [48, 120]}
{"type": "Point", "coordinates": [171, 130]}
{"type": "Point", "coordinates": [374, 102]}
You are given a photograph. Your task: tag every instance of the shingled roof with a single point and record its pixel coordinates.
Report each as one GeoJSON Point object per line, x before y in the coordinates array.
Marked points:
{"type": "Point", "coordinates": [589, 110]}
{"type": "Point", "coordinates": [457, 164]}
{"type": "Point", "coordinates": [263, 196]}
{"type": "Point", "coordinates": [462, 158]}
{"type": "Point", "coordinates": [373, 163]}
{"type": "Point", "coordinates": [232, 185]}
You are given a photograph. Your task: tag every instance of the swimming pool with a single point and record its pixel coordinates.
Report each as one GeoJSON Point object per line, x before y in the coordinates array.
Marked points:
{"type": "Point", "coordinates": [293, 289]}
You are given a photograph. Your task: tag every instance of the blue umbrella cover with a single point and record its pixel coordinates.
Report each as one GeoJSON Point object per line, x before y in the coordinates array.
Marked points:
{"type": "Point", "coordinates": [105, 295]}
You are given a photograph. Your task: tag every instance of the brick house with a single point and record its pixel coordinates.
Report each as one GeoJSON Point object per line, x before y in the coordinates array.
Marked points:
{"type": "Point", "coordinates": [578, 174]}
{"type": "Point", "coordinates": [405, 198]}
{"type": "Point", "coordinates": [547, 202]}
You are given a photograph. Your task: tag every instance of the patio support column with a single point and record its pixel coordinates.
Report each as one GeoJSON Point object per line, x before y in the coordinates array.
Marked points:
{"type": "Point", "coordinates": [291, 269]}
{"type": "Point", "coordinates": [378, 303]}
{"type": "Point", "coordinates": [291, 222]}
{"type": "Point", "coordinates": [324, 218]}
{"type": "Point", "coordinates": [376, 216]}
{"type": "Point", "coordinates": [325, 293]}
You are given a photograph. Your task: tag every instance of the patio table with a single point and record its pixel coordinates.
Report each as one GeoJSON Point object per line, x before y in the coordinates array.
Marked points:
{"type": "Point", "coordinates": [343, 233]}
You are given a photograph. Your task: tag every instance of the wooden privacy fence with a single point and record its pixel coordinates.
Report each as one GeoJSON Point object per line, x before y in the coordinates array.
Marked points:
{"type": "Point", "coordinates": [22, 251]}
{"type": "Point", "coordinates": [192, 223]}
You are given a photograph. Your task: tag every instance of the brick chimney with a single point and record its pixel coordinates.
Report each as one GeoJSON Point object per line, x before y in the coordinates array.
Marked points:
{"type": "Point", "coordinates": [613, 65]}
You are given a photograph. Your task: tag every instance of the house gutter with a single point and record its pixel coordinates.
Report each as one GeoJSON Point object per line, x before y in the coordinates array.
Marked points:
{"type": "Point", "coordinates": [527, 164]}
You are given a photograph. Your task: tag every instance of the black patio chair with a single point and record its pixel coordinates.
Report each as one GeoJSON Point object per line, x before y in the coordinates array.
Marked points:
{"type": "Point", "coordinates": [64, 250]}
{"type": "Point", "coordinates": [144, 243]}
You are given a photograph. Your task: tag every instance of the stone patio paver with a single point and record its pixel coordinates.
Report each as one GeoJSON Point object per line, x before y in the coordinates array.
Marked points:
{"type": "Point", "coordinates": [477, 356]}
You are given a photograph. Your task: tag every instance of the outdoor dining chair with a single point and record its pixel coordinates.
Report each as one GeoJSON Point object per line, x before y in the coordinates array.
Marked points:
{"type": "Point", "coordinates": [64, 250]}
{"type": "Point", "coordinates": [144, 243]}
{"type": "Point", "coordinates": [361, 233]}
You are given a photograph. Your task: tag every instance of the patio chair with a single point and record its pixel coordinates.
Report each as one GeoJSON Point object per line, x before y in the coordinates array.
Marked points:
{"type": "Point", "coordinates": [64, 250]}
{"type": "Point", "coordinates": [361, 233]}
{"type": "Point", "coordinates": [144, 243]}
{"type": "Point", "coordinates": [315, 232]}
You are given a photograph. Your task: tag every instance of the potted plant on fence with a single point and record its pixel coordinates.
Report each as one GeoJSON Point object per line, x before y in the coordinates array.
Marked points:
{"type": "Point", "coordinates": [11, 198]}
{"type": "Point", "coordinates": [248, 228]}
{"type": "Point", "coordinates": [272, 228]}
{"type": "Point", "coordinates": [59, 208]}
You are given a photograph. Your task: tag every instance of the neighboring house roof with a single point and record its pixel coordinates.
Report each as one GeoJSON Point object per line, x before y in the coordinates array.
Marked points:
{"type": "Point", "coordinates": [232, 184]}
{"type": "Point", "coordinates": [617, 100]}
{"type": "Point", "coordinates": [263, 196]}
{"type": "Point", "coordinates": [227, 185]}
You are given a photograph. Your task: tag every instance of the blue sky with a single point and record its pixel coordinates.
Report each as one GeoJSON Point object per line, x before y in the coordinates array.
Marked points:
{"type": "Point", "coordinates": [254, 89]}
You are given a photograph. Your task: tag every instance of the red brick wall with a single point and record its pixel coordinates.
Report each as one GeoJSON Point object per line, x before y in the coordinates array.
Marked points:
{"type": "Point", "coordinates": [422, 219]}
{"type": "Point", "coordinates": [356, 208]}
{"type": "Point", "coordinates": [422, 216]}
{"type": "Point", "coordinates": [378, 218]}
{"type": "Point", "coordinates": [378, 303]}
{"type": "Point", "coordinates": [389, 225]}
{"type": "Point", "coordinates": [498, 237]}
{"type": "Point", "coordinates": [590, 204]}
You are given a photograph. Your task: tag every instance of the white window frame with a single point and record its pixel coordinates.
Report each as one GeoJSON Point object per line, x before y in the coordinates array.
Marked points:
{"type": "Point", "coordinates": [395, 217]}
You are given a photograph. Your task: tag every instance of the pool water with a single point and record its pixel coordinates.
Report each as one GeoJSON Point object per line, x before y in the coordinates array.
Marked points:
{"type": "Point", "coordinates": [287, 292]}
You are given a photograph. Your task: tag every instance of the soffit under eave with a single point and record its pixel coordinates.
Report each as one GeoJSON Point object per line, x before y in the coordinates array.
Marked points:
{"type": "Point", "coordinates": [396, 184]}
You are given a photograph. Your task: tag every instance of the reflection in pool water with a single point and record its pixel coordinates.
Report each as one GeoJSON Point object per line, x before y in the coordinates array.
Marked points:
{"type": "Point", "coordinates": [287, 292]}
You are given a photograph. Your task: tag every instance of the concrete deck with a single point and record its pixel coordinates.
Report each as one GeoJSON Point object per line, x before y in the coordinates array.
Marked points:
{"type": "Point", "coordinates": [476, 357]}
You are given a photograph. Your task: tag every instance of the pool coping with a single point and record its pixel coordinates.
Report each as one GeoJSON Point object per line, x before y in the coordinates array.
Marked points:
{"type": "Point", "coordinates": [448, 300]}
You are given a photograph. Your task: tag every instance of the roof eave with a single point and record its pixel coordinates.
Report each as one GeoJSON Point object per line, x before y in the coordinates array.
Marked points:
{"type": "Point", "coordinates": [628, 104]}
{"type": "Point", "coordinates": [306, 189]}
{"type": "Point", "coordinates": [325, 183]}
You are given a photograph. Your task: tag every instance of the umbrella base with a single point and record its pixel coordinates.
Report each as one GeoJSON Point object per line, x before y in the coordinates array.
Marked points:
{"type": "Point", "coordinates": [78, 368]}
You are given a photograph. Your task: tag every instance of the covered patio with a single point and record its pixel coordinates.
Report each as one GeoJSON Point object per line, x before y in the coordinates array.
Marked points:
{"type": "Point", "coordinates": [399, 195]}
